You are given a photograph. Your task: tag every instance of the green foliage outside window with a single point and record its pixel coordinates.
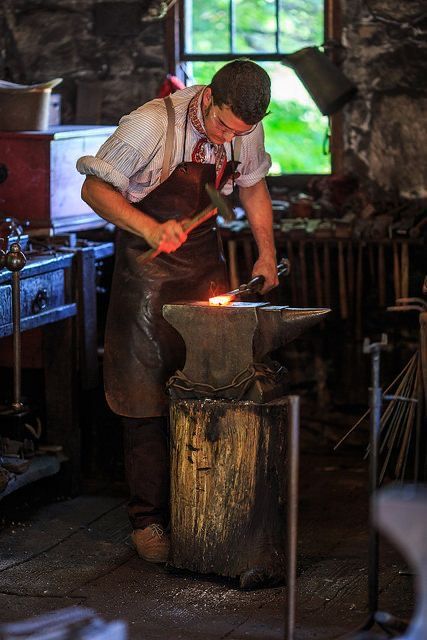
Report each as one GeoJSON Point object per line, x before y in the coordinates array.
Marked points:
{"type": "Point", "coordinates": [295, 129]}
{"type": "Point", "coordinates": [208, 25]}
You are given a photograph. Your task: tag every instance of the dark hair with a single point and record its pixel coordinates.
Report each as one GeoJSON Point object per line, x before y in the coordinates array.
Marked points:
{"type": "Point", "coordinates": [243, 86]}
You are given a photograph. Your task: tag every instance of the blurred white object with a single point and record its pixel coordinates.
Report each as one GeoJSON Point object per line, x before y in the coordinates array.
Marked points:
{"type": "Point", "coordinates": [401, 513]}
{"type": "Point", "coordinates": [73, 622]}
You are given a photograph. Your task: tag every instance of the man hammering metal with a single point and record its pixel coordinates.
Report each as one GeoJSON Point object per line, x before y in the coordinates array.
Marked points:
{"type": "Point", "coordinates": [205, 206]}
{"type": "Point", "coordinates": [149, 180]}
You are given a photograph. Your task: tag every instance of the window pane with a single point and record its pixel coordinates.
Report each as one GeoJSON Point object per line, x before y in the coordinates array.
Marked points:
{"type": "Point", "coordinates": [207, 26]}
{"type": "Point", "coordinates": [300, 24]}
{"type": "Point", "coordinates": [295, 128]}
{"type": "Point", "coordinates": [255, 26]}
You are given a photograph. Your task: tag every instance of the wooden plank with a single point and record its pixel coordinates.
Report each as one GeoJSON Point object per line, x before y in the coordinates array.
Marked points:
{"type": "Point", "coordinates": [16, 609]}
{"type": "Point", "coordinates": [25, 534]}
{"type": "Point", "coordinates": [330, 582]}
{"type": "Point", "coordinates": [85, 554]}
{"type": "Point", "coordinates": [165, 605]}
{"type": "Point", "coordinates": [160, 605]}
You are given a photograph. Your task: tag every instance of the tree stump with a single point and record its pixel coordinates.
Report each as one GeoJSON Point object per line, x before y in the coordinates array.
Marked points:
{"type": "Point", "coordinates": [228, 489]}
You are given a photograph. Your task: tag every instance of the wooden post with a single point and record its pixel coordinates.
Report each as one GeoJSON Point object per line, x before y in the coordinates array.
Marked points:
{"type": "Point", "coordinates": [228, 488]}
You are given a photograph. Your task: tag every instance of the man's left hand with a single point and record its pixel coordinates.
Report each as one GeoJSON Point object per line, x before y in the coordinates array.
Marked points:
{"type": "Point", "coordinates": [266, 267]}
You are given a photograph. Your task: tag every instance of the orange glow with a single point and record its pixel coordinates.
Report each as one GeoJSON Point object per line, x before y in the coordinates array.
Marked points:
{"type": "Point", "coordinates": [220, 300]}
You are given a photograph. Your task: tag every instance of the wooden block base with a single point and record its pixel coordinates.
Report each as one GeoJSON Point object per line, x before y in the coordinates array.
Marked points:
{"type": "Point", "coordinates": [228, 489]}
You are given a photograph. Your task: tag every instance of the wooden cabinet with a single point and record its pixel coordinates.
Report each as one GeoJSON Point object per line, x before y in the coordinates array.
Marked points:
{"type": "Point", "coordinates": [39, 181]}
{"type": "Point", "coordinates": [45, 291]}
{"type": "Point", "coordinates": [48, 302]}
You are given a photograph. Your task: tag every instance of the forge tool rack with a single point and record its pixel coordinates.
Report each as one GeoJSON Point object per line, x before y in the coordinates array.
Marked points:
{"type": "Point", "coordinates": [229, 439]}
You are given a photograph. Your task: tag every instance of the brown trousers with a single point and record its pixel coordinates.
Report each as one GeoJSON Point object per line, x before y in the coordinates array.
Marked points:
{"type": "Point", "coordinates": [146, 459]}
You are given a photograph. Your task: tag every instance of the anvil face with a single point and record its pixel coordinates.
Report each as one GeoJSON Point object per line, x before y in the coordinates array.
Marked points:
{"type": "Point", "coordinates": [225, 342]}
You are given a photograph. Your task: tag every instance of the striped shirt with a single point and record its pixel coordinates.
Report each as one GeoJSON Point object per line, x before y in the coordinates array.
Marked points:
{"type": "Point", "coordinates": [132, 157]}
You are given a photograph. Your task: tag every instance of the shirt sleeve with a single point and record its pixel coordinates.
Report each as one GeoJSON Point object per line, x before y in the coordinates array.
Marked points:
{"type": "Point", "coordinates": [138, 138]}
{"type": "Point", "coordinates": [255, 162]}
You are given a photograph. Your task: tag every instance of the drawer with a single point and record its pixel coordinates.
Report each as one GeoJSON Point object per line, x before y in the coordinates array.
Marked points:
{"type": "Point", "coordinates": [39, 293]}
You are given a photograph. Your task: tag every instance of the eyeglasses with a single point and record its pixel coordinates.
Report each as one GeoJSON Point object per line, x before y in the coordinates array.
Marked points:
{"type": "Point", "coordinates": [223, 127]}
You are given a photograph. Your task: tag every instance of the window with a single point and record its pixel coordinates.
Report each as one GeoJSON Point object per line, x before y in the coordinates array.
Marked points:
{"type": "Point", "coordinates": [215, 31]}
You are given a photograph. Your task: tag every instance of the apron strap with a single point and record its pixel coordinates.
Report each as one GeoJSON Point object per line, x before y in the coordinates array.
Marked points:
{"type": "Point", "coordinates": [170, 134]}
{"type": "Point", "coordinates": [236, 147]}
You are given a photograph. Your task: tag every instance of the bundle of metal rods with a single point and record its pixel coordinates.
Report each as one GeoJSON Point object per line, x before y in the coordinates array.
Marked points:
{"type": "Point", "coordinates": [400, 422]}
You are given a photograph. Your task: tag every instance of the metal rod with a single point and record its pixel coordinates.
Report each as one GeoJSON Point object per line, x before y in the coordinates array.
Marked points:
{"type": "Point", "coordinates": [418, 424]}
{"type": "Point", "coordinates": [365, 415]}
{"type": "Point", "coordinates": [375, 399]}
{"type": "Point", "coordinates": [395, 422]}
{"type": "Point", "coordinates": [292, 522]}
{"type": "Point", "coordinates": [16, 318]}
{"type": "Point", "coordinates": [407, 434]}
{"type": "Point", "coordinates": [401, 398]}
{"type": "Point", "coordinates": [396, 407]}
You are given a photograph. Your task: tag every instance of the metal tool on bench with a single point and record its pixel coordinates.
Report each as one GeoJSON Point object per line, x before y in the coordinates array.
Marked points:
{"type": "Point", "coordinates": [14, 260]}
{"type": "Point", "coordinates": [14, 415]}
{"type": "Point", "coordinates": [219, 205]}
{"type": "Point", "coordinates": [253, 286]}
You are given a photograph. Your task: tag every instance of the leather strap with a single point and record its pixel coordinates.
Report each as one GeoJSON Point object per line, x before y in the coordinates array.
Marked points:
{"type": "Point", "coordinates": [236, 147]}
{"type": "Point", "coordinates": [170, 134]}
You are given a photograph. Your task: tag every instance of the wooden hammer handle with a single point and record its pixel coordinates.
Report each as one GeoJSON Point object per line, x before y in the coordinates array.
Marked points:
{"type": "Point", "coordinates": [188, 225]}
{"type": "Point", "coordinates": [191, 223]}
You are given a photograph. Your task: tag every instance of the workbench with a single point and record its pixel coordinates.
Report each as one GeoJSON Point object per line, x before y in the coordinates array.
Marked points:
{"type": "Point", "coordinates": [333, 271]}
{"type": "Point", "coordinates": [48, 302]}
{"type": "Point", "coordinates": [58, 313]}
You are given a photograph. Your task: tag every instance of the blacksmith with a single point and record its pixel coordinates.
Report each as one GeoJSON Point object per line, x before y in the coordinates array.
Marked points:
{"type": "Point", "coordinates": [146, 178]}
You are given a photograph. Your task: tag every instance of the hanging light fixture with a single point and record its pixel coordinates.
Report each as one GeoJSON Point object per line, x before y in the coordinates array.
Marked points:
{"type": "Point", "coordinates": [326, 84]}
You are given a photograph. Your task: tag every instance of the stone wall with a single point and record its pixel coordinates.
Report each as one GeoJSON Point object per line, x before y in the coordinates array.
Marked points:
{"type": "Point", "coordinates": [112, 53]}
{"type": "Point", "coordinates": [112, 56]}
{"type": "Point", "coordinates": [386, 125]}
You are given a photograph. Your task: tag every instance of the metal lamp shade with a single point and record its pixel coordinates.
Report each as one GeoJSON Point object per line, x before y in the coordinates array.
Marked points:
{"type": "Point", "coordinates": [327, 85]}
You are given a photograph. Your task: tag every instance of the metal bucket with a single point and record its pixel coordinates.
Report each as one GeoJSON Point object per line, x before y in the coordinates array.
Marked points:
{"type": "Point", "coordinates": [25, 107]}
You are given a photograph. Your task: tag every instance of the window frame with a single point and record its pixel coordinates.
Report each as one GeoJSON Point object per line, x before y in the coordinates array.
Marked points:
{"type": "Point", "coordinates": [177, 58]}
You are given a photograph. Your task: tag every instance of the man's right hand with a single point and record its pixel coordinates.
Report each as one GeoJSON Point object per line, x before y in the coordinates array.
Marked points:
{"type": "Point", "coordinates": [167, 236]}
{"type": "Point", "coordinates": [109, 203]}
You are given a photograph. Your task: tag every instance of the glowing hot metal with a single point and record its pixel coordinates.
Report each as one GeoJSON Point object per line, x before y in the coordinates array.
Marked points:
{"type": "Point", "coordinates": [253, 286]}
{"type": "Point", "coordinates": [221, 300]}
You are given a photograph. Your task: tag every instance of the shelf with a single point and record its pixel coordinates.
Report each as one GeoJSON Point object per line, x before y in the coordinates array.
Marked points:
{"type": "Point", "coordinates": [40, 467]}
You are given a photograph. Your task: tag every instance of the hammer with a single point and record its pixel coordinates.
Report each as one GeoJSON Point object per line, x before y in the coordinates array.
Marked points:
{"type": "Point", "coordinates": [218, 205]}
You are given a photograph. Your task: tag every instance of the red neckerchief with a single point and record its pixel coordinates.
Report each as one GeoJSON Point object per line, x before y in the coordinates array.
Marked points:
{"type": "Point", "coordinates": [199, 153]}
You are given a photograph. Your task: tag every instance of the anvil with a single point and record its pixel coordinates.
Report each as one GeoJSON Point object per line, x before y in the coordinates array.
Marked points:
{"type": "Point", "coordinates": [228, 347]}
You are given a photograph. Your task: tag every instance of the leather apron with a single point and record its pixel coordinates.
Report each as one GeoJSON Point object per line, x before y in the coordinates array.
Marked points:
{"type": "Point", "coordinates": [142, 350]}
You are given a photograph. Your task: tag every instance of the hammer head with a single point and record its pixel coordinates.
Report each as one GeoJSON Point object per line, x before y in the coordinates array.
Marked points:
{"type": "Point", "coordinates": [220, 203]}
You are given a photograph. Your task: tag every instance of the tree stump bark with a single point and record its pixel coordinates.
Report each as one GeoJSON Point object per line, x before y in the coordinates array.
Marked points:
{"type": "Point", "coordinates": [228, 489]}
